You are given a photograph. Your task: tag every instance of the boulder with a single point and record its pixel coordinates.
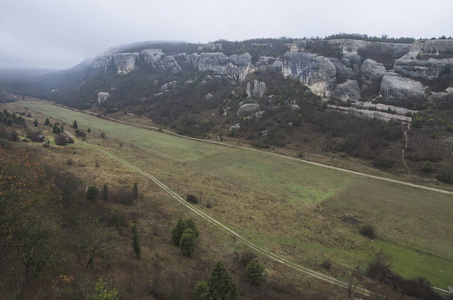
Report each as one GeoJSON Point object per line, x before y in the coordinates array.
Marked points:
{"type": "Point", "coordinates": [438, 46]}
{"type": "Point", "coordinates": [169, 64]}
{"type": "Point", "coordinates": [317, 72]}
{"type": "Point", "coordinates": [352, 61]}
{"type": "Point", "coordinates": [348, 91]}
{"type": "Point", "coordinates": [209, 96]}
{"type": "Point", "coordinates": [169, 85]}
{"type": "Point", "coordinates": [125, 62]}
{"type": "Point", "coordinates": [442, 99]}
{"type": "Point", "coordinates": [371, 73]}
{"type": "Point", "coordinates": [248, 109]}
{"type": "Point", "coordinates": [236, 126]}
{"type": "Point", "coordinates": [102, 96]}
{"type": "Point", "coordinates": [401, 89]}
{"type": "Point", "coordinates": [153, 57]}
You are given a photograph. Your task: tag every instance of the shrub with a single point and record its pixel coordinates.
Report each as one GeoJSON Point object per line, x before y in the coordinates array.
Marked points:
{"type": "Point", "coordinates": [80, 133]}
{"type": "Point", "coordinates": [192, 199]}
{"type": "Point", "coordinates": [445, 176]}
{"type": "Point", "coordinates": [180, 227]}
{"type": "Point", "coordinates": [187, 242]}
{"type": "Point", "coordinates": [101, 293]}
{"type": "Point", "coordinates": [102, 134]}
{"type": "Point", "coordinates": [428, 167]}
{"type": "Point", "coordinates": [92, 193]}
{"type": "Point", "coordinates": [449, 127]}
{"type": "Point", "coordinates": [383, 163]}
{"type": "Point", "coordinates": [14, 136]}
{"type": "Point", "coordinates": [61, 140]}
{"type": "Point", "coordinates": [115, 217]}
{"type": "Point", "coordinates": [201, 291]}
{"type": "Point", "coordinates": [326, 264]}
{"type": "Point", "coordinates": [254, 272]}
{"type": "Point", "coordinates": [368, 231]}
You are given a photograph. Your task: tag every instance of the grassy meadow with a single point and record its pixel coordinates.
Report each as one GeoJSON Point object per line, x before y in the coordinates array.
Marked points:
{"type": "Point", "coordinates": [303, 212]}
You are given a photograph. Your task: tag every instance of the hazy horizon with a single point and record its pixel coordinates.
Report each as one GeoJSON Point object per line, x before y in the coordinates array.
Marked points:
{"type": "Point", "coordinates": [59, 35]}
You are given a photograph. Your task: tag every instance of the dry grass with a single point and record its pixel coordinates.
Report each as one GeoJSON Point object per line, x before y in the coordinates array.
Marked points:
{"type": "Point", "coordinates": [292, 208]}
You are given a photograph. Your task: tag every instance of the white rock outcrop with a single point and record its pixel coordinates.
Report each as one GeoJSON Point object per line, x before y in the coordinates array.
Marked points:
{"type": "Point", "coordinates": [125, 62]}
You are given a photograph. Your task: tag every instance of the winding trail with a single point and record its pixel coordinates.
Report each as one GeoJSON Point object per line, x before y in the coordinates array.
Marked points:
{"type": "Point", "coordinates": [213, 221]}
{"type": "Point", "coordinates": [423, 187]}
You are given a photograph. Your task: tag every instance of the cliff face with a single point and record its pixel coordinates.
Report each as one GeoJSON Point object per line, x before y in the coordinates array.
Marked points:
{"type": "Point", "coordinates": [354, 75]}
{"type": "Point", "coordinates": [236, 66]}
{"type": "Point", "coordinates": [344, 69]}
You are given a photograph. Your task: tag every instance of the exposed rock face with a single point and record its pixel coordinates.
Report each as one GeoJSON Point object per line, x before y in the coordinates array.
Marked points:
{"type": "Point", "coordinates": [397, 88]}
{"type": "Point", "coordinates": [248, 109]}
{"type": "Point", "coordinates": [158, 60]}
{"type": "Point", "coordinates": [102, 96]}
{"type": "Point", "coordinates": [236, 66]}
{"type": "Point", "coordinates": [347, 91]}
{"type": "Point", "coordinates": [352, 61]}
{"type": "Point", "coordinates": [169, 85]}
{"type": "Point", "coordinates": [430, 69]}
{"type": "Point", "coordinates": [438, 47]}
{"type": "Point", "coordinates": [209, 96]}
{"type": "Point", "coordinates": [153, 56]}
{"type": "Point", "coordinates": [169, 64]}
{"type": "Point", "coordinates": [259, 88]}
{"type": "Point", "coordinates": [125, 62]}
{"type": "Point", "coordinates": [317, 72]}
{"type": "Point", "coordinates": [441, 99]}
{"type": "Point", "coordinates": [348, 45]}
{"type": "Point", "coordinates": [371, 73]}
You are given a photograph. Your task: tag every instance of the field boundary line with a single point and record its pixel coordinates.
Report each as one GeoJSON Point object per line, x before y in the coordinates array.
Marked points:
{"type": "Point", "coordinates": [270, 153]}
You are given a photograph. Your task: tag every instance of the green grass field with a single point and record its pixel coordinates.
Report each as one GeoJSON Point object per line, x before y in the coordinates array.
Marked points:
{"type": "Point", "coordinates": [290, 207]}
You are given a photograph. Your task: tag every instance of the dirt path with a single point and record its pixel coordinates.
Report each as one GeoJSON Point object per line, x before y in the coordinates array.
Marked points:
{"type": "Point", "coordinates": [403, 149]}
{"type": "Point", "coordinates": [208, 218]}
{"type": "Point", "coordinates": [280, 155]}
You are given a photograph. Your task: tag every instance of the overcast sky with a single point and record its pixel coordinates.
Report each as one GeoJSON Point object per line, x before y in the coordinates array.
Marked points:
{"type": "Point", "coordinates": [62, 33]}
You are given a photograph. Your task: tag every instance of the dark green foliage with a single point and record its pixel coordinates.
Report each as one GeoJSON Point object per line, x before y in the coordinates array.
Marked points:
{"type": "Point", "coordinates": [136, 241]}
{"type": "Point", "coordinates": [383, 163]}
{"type": "Point", "coordinates": [135, 190]}
{"type": "Point", "coordinates": [14, 136]}
{"type": "Point", "coordinates": [187, 242]}
{"type": "Point", "coordinates": [445, 176]}
{"type": "Point", "coordinates": [61, 140]}
{"type": "Point", "coordinates": [105, 192]}
{"type": "Point", "coordinates": [47, 122]}
{"type": "Point", "coordinates": [35, 122]}
{"type": "Point", "coordinates": [192, 198]}
{"type": "Point", "coordinates": [92, 193]}
{"type": "Point", "coordinates": [368, 231]}
{"type": "Point", "coordinates": [254, 272]}
{"type": "Point", "coordinates": [75, 125]}
{"type": "Point", "coordinates": [115, 217]}
{"type": "Point", "coordinates": [181, 227]}
{"type": "Point", "coordinates": [56, 129]}
{"type": "Point", "coordinates": [428, 167]}
{"type": "Point", "coordinates": [102, 293]}
{"type": "Point", "coordinates": [221, 284]}
{"type": "Point", "coordinates": [102, 134]}
{"type": "Point", "coordinates": [300, 120]}
{"type": "Point", "coordinates": [201, 291]}
{"type": "Point", "coordinates": [89, 130]}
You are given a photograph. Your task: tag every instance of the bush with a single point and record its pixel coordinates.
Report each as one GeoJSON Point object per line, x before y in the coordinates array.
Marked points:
{"type": "Point", "coordinates": [192, 199]}
{"type": "Point", "coordinates": [92, 193]}
{"type": "Point", "coordinates": [383, 163]}
{"type": "Point", "coordinates": [102, 135]}
{"type": "Point", "coordinates": [445, 176]}
{"type": "Point", "coordinates": [136, 242]}
{"type": "Point", "coordinates": [61, 140]}
{"type": "Point", "coordinates": [201, 291]}
{"type": "Point", "coordinates": [428, 167]}
{"type": "Point", "coordinates": [221, 284]}
{"type": "Point", "coordinates": [187, 242]}
{"type": "Point", "coordinates": [326, 264]}
{"type": "Point", "coordinates": [368, 231]}
{"type": "Point", "coordinates": [254, 272]}
{"type": "Point", "coordinates": [180, 227]}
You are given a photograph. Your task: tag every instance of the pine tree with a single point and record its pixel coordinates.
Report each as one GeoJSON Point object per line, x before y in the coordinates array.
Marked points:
{"type": "Point", "coordinates": [178, 231]}
{"type": "Point", "coordinates": [254, 272]}
{"type": "Point", "coordinates": [47, 122]}
{"type": "Point", "coordinates": [201, 291]}
{"type": "Point", "coordinates": [221, 284]}
{"type": "Point", "coordinates": [136, 242]}
{"type": "Point", "coordinates": [35, 122]}
{"type": "Point", "coordinates": [75, 124]}
{"type": "Point", "coordinates": [187, 242]}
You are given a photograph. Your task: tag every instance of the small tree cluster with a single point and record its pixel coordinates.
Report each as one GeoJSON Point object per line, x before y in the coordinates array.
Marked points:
{"type": "Point", "coordinates": [102, 293]}
{"type": "Point", "coordinates": [185, 235]}
{"type": "Point", "coordinates": [220, 285]}
{"type": "Point", "coordinates": [92, 193]}
{"type": "Point", "coordinates": [254, 272]}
